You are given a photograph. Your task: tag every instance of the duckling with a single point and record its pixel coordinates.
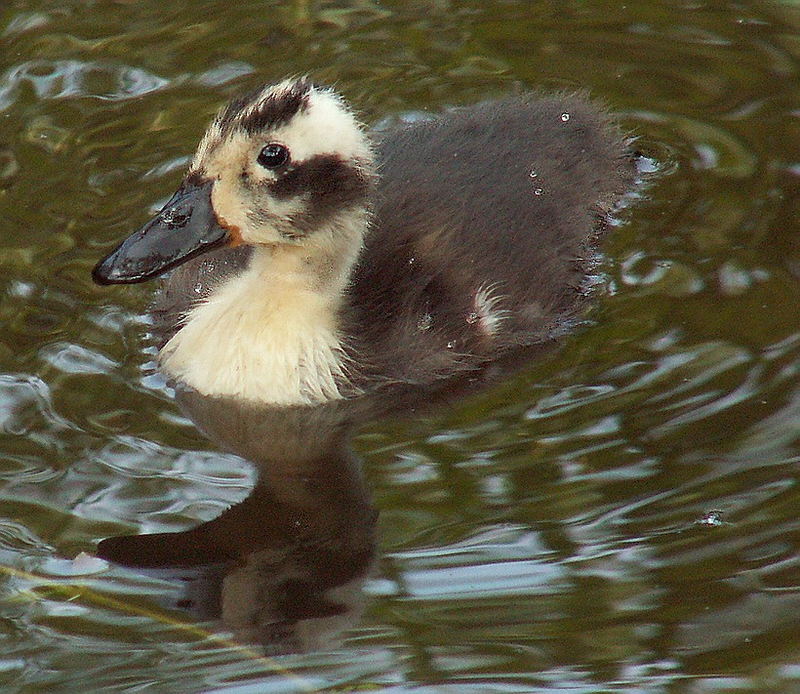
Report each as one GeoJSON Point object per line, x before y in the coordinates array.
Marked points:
{"type": "Point", "coordinates": [315, 261]}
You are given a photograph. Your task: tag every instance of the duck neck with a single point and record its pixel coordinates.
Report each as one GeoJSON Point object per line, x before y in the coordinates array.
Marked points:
{"type": "Point", "coordinates": [320, 267]}
{"type": "Point", "coordinates": [272, 334]}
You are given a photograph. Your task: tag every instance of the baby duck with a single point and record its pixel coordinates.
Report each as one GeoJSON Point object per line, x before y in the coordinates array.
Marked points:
{"type": "Point", "coordinates": [314, 261]}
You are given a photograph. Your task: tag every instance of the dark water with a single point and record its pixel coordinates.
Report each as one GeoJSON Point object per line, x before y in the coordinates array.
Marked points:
{"type": "Point", "coordinates": [622, 516]}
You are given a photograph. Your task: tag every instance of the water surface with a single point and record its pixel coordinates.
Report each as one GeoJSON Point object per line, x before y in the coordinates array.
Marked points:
{"type": "Point", "coordinates": [621, 516]}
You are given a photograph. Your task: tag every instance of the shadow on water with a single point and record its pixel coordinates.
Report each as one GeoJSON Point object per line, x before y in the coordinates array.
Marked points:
{"type": "Point", "coordinates": [285, 567]}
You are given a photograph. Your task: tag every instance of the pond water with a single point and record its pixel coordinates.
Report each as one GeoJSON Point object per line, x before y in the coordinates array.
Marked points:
{"type": "Point", "coordinates": [622, 515]}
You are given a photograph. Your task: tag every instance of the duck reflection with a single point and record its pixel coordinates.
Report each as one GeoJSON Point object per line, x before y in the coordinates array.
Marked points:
{"type": "Point", "coordinates": [285, 567]}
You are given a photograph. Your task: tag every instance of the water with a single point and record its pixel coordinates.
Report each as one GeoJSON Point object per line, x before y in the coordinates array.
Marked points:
{"type": "Point", "coordinates": [621, 516]}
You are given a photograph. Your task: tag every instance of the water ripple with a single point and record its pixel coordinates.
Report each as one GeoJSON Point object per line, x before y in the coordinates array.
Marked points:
{"type": "Point", "coordinates": [715, 148]}
{"type": "Point", "coordinates": [25, 21]}
{"type": "Point", "coordinates": [75, 359]}
{"type": "Point", "coordinates": [25, 402]}
{"type": "Point", "coordinates": [59, 79]}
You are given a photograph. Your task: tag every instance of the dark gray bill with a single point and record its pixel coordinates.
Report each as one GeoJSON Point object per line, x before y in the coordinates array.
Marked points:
{"type": "Point", "coordinates": [185, 227]}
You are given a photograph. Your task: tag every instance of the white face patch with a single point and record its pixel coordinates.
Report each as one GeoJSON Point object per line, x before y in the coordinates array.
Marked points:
{"type": "Point", "coordinates": [246, 194]}
{"type": "Point", "coordinates": [326, 127]}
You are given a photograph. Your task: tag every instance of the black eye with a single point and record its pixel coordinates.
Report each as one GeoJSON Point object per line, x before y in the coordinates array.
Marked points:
{"type": "Point", "coordinates": [273, 156]}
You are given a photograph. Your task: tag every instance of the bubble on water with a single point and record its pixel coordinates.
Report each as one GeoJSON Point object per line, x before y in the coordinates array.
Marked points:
{"type": "Point", "coordinates": [538, 191]}
{"type": "Point", "coordinates": [533, 173]}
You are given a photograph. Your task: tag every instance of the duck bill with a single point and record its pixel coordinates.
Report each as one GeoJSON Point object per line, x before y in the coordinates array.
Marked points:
{"type": "Point", "coordinates": [184, 228]}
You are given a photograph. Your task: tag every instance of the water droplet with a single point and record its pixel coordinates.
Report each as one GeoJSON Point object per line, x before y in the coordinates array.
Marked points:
{"type": "Point", "coordinates": [198, 288]}
{"type": "Point", "coordinates": [451, 344]}
{"type": "Point", "coordinates": [533, 174]}
{"type": "Point", "coordinates": [565, 117]}
{"type": "Point", "coordinates": [411, 260]}
{"type": "Point", "coordinates": [472, 318]}
{"type": "Point", "coordinates": [538, 191]}
{"type": "Point", "coordinates": [425, 322]}
{"type": "Point", "coordinates": [712, 518]}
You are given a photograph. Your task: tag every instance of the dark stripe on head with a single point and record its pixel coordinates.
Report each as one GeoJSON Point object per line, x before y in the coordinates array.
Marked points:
{"type": "Point", "coordinates": [276, 109]}
{"type": "Point", "coordinates": [329, 185]}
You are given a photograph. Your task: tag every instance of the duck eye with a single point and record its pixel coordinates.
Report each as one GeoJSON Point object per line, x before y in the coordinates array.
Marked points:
{"type": "Point", "coordinates": [273, 155]}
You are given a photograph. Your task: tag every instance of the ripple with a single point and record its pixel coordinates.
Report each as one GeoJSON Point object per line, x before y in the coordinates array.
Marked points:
{"type": "Point", "coordinates": [26, 21]}
{"type": "Point", "coordinates": [504, 560]}
{"type": "Point", "coordinates": [175, 164]}
{"type": "Point", "coordinates": [568, 399]}
{"type": "Point", "coordinates": [18, 537]}
{"type": "Point", "coordinates": [60, 79]}
{"type": "Point", "coordinates": [75, 359]}
{"type": "Point", "coordinates": [224, 73]}
{"type": "Point", "coordinates": [43, 132]}
{"type": "Point", "coordinates": [9, 165]}
{"type": "Point", "coordinates": [662, 275]}
{"type": "Point", "coordinates": [83, 565]}
{"type": "Point", "coordinates": [139, 458]}
{"type": "Point", "coordinates": [715, 148]}
{"type": "Point", "coordinates": [25, 402]}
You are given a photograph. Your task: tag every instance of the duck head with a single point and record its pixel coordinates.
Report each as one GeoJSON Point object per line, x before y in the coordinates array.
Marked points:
{"type": "Point", "coordinates": [286, 165]}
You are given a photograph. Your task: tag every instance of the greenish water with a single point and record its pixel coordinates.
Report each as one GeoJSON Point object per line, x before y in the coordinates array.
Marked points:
{"type": "Point", "coordinates": [622, 516]}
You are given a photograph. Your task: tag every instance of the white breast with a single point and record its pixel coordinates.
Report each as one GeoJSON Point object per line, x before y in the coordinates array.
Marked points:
{"type": "Point", "coordinates": [262, 341]}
